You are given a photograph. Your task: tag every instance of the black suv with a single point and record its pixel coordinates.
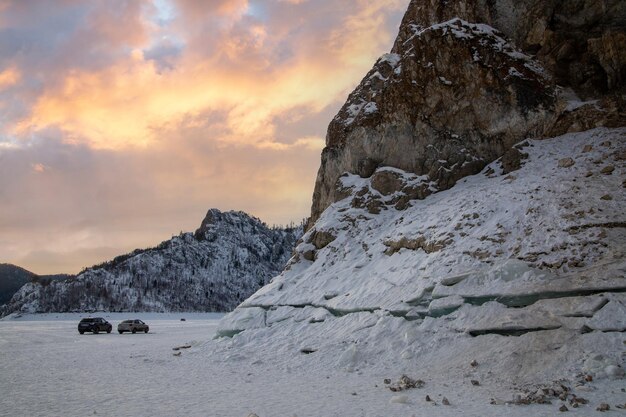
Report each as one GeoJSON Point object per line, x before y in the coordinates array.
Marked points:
{"type": "Point", "coordinates": [95, 325]}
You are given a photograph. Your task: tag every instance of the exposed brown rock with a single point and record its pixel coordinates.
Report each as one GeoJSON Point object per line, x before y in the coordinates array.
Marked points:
{"type": "Point", "coordinates": [309, 255]}
{"type": "Point", "coordinates": [512, 160]}
{"type": "Point", "coordinates": [447, 101]}
{"type": "Point", "coordinates": [387, 182]}
{"type": "Point", "coordinates": [414, 244]}
{"type": "Point", "coordinates": [455, 94]}
{"type": "Point", "coordinates": [405, 383]}
{"type": "Point", "coordinates": [607, 170]}
{"type": "Point", "coordinates": [321, 238]}
{"type": "Point", "coordinates": [581, 42]}
{"type": "Point", "coordinates": [566, 162]}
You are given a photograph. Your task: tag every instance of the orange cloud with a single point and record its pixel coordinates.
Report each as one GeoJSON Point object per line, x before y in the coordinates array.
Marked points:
{"type": "Point", "coordinates": [123, 123]}
{"type": "Point", "coordinates": [9, 77]}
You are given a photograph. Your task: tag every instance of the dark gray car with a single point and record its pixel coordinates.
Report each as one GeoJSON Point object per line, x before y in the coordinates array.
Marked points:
{"type": "Point", "coordinates": [132, 326]}
{"type": "Point", "coordinates": [95, 325]}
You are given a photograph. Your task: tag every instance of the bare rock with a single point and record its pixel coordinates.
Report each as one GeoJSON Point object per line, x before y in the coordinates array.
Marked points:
{"type": "Point", "coordinates": [387, 182]}
{"type": "Point", "coordinates": [322, 238]}
{"type": "Point", "coordinates": [566, 162]}
{"type": "Point", "coordinates": [603, 407]}
{"type": "Point", "coordinates": [608, 170]}
{"type": "Point", "coordinates": [419, 242]}
{"type": "Point", "coordinates": [405, 383]}
{"type": "Point", "coordinates": [309, 255]}
{"type": "Point", "coordinates": [403, 116]}
{"type": "Point", "coordinates": [366, 167]}
{"type": "Point", "coordinates": [512, 160]}
{"type": "Point", "coordinates": [445, 401]}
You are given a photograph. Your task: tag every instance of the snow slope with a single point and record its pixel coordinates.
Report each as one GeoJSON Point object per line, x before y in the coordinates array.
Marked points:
{"type": "Point", "coordinates": [523, 272]}
{"type": "Point", "coordinates": [228, 258]}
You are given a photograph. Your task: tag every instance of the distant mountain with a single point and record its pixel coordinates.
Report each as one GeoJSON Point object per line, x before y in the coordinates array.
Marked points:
{"type": "Point", "coordinates": [13, 277]}
{"type": "Point", "coordinates": [215, 268]}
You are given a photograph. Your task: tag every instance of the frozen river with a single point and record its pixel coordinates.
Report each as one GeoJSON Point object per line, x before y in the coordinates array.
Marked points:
{"type": "Point", "coordinates": [49, 369]}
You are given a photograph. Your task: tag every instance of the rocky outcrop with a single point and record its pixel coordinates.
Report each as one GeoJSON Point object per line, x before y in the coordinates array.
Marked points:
{"type": "Point", "coordinates": [580, 42]}
{"type": "Point", "coordinates": [466, 79]}
{"type": "Point", "coordinates": [228, 258]}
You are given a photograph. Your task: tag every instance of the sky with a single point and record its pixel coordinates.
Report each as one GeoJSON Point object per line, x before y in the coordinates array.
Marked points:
{"type": "Point", "coordinates": [123, 121]}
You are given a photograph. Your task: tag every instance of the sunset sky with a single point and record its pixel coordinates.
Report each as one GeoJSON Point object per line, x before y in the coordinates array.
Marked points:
{"type": "Point", "coordinates": [123, 121]}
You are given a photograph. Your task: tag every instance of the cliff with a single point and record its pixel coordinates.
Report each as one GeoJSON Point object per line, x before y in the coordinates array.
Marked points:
{"type": "Point", "coordinates": [466, 80]}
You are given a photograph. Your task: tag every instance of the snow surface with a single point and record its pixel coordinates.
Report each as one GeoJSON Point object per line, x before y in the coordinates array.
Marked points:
{"type": "Point", "coordinates": [49, 370]}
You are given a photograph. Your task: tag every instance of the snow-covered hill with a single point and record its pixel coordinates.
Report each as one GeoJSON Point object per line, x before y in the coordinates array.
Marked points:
{"type": "Point", "coordinates": [228, 258]}
{"type": "Point", "coordinates": [11, 279]}
{"type": "Point", "coordinates": [523, 272]}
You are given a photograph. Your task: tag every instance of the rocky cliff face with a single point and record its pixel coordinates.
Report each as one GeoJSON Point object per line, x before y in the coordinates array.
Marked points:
{"type": "Point", "coordinates": [229, 257]}
{"type": "Point", "coordinates": [577, 41]}
{"type": "Point", "coordinates": [465, 80]}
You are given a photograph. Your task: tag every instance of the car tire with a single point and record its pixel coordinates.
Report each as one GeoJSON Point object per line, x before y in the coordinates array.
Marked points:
{"type": "Point", "coordinates": [134, 331]}
{"type": "Point", "coordinates": [146, 330]}
{"type": "Point", "coordinates": [108, 330]}
{"type": "Point", "coordinates": [95, 330]}
{"type": "Point", "coordinates": [120, 331]}
{"type": "Point", "coordinates": [81, 332]}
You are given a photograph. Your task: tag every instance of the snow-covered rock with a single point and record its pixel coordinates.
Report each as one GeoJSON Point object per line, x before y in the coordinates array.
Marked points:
{"type": "Point", "coordinates": [229, 257]}
{"type": "Point", "coordinates": [465, 80]}
{"type": "Point", "coordinates": [530, 262]}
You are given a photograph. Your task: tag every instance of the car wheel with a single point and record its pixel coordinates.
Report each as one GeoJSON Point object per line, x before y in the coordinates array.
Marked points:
{"type": "Point", "coordinates": [81, 332]}
{"type": "Point", "coordinates": [146, 330]}
{"type": "Point", "coordinates": [120, 331]}
{"type": "Point", "coordinates": [108, 330]}
{"type": "Point", "coordinates": [134, 331]}
{"type": "Point", "coordinates": [95, 330]}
